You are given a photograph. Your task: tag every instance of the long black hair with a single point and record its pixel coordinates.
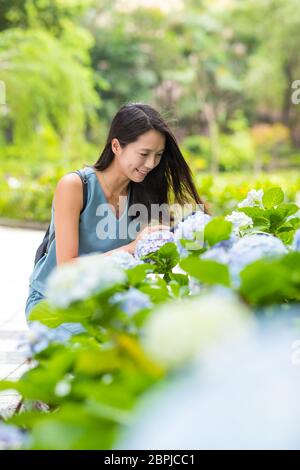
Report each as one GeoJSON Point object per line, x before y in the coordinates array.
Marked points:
{"type": "Point", "coordinates": [172, 172]}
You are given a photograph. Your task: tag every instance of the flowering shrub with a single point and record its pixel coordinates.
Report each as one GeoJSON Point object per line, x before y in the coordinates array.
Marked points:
{"type": "Point", "coordinates": [151, 242]}
{"type": "Point", "coordinates": [146, 316]}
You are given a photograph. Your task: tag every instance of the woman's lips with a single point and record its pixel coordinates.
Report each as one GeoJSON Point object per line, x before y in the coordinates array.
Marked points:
{"type": "Point", "coordinates": [144, 173]}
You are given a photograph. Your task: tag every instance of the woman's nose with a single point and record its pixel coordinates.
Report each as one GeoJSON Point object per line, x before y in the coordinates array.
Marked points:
{"type": "Point", "coordinates": [150, 163]}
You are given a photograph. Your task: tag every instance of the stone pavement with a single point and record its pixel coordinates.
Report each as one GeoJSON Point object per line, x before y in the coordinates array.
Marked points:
{"type": "Point", "coordinates": [17, 251]}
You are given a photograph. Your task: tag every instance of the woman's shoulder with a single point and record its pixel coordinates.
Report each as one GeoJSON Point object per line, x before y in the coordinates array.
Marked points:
{"type": "Point", "coordinates": [72, 179]}
{"type": "Point", "coordinates": [68, 188]}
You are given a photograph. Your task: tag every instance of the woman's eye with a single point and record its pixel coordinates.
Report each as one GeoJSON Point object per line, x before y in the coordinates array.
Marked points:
{"type": "Point", "coordinates": [146, 155]}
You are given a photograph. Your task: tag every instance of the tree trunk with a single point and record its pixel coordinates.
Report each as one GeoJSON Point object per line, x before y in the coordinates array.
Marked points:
{"type": "Point", "coordinates": [214, 137]}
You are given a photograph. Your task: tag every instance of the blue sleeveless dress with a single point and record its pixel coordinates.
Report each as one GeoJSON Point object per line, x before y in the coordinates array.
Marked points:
{"type": "Point", "coordinates": [93, 237]}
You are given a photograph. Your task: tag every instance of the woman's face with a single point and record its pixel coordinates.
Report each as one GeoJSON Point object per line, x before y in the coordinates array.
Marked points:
{"type": "Point", "coordinates": [138, 158]}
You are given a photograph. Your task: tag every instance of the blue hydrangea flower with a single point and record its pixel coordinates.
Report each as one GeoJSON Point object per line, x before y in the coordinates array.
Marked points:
{"type": "Point", "coordinates": [11, 438]}
{"type": "Point", "coordinates": [132, 300]}
{"type": "Point", "coordinates": [253, 247]}
{"type": "Point", "coordinates": [215, 253]}
{"type": "Point", "coordinates": [220, 251]}
{"type": "Point", "coordinates": [38, 337]}
{"type": "Point", "coordinates": [152, 242]}
{"type": "Point", "coordinates": [125, 260]}
{"type": "Point", "coordinates": [296, 242]}
{"type": "Point", "coordinates": [186, 229]}
{"type": "Point", "coordinates": [80, 278]}
{"type": "Point", "coordinates": [227, 244]}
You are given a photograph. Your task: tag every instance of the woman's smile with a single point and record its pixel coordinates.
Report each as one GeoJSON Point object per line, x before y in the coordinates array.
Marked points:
{"type": "Point", "coordinates": [142, 172]}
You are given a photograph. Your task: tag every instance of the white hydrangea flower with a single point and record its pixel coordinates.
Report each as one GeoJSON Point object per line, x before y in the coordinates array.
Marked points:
{"type": "Point", "coordinates": [178, 330]}
{"type": "Point", "coordinates": [125, 260]}
{"type": "Point", "coordinates": [253, 247]}
{"type": "Point", "coordinates": [254, 198]}
{"type": "Point", "coordinates": [152, 242]}
{"type": "Point", "coordinates": [296, 241]}
{"type": "Point", "coordinates": [239, 221]}
{"type": "Point", "coordinates": [132, 300]}
{"type": "Point", "coordinates": [81, 278]}
{"type": "Point", "coordinates": [186, 228]}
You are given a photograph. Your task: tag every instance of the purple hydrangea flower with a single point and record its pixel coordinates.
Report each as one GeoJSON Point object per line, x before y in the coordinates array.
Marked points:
{"type": "Point", "coordinates": [152, 242]}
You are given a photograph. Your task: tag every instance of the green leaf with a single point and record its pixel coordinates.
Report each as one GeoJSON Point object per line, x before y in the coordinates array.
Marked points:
{"type": "Point", "coordinates": [137, 274]}
{"type": "Point", "coordinates": [207, 271]}
{"type": "Point", "coordinates": [168, 254]}
{"type": "Point", "coordinates": [254, 212]}
{"type": "Point", "coordinates": [94, 361]}
{"type": "Point", "coordinates": [272, 197]}
{"type": "Point", "coordinates": [288, 209]}
{"type": "Point", "coordinates": [216, 230]}
{"type": "Point", "coordinates": [283, 274]}
{"type": "Point", "coordinates": [157, 293]}
{"type": "Point", "coordinates": [295, 222]}
{"type": "Point", "coordinates": [181, 279]}
{"type": "Point", "coordinates": [54, 317]}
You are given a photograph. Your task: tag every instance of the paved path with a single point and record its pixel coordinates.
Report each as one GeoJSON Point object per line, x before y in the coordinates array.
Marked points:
{"type": "Point", "coordinates": [17, 251]}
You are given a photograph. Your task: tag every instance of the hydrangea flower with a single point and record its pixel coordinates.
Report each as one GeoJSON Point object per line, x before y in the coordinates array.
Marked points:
{"type": "Point", "coordinates": [177, 331]}
{"type": "Point", "coordinates": [152, 242]}
{"type": "Point", "coordinates": [254, 198]}
{"type": "Point", "coordinates": [195, 286]}
{"type": "Point", "coordinates": [296, 241]}
{"type": "Point", "coordinates": [219, 254]}
{"type": "Point", "coordinates": [11, 438]}
{"type": "Point", "coordinates": [125, 260]}
{"type": "Point", "coordinates": [81, 278]}
{"type": "Point", "coordinates": [220, 251]}
{"type": "Point", "coordinates": [239, 221]}
{"type": "Point", "coordinates": [38, 337]}
{"type": "Point", "coordinates": [132, 300]}
{"type": "Point", "coordinates": [227, 244]}
{"type": "Point", "coordinates": [186, 228]}
{"type": "Point", "coordinates": [252, 247]}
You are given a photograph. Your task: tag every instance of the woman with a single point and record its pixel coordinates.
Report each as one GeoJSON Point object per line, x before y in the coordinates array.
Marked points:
{"type": "Point", "coordinates": [140, 164]}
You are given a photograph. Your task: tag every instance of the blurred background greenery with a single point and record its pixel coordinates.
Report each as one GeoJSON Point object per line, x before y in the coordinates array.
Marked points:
{"type": "Point", "coordinates": [220, 72]}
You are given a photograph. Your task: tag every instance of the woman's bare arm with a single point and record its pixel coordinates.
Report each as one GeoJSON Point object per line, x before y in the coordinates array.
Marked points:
{"type": "Point", "coordinates": [68, 202]}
